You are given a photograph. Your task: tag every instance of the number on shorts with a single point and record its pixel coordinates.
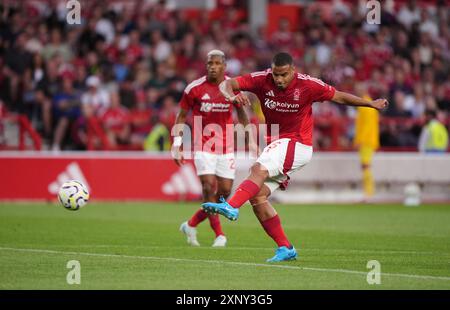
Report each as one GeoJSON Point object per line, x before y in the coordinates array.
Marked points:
{"type": "Point", "coordinates": [272, 146]}
{"type": "Point", "coordinates": [232, 163]}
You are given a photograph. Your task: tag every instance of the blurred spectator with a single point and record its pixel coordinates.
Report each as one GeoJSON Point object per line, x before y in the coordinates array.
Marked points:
{"type": "Point", "coordinates": [161, 78]}
{"type": "Point", "coordinates": [105, 28]}
{"type": "Point", "coordinates": [17, 60]}
{"type": "Point", "coordinates": [120, 68]}
{"type": "Point", "coordinates": [56, 47]}
{"type": "Point", "coordinates": [434, 136]}
{"type": "Point", "coordinates": [398, 107]}
{"type": "Point", "coordinates": [127, 93]}
{"type": "Point", "coordinates": [89, 37]}
{"type": "Point", "coordinates": [168, 112]}
{"type": "Point", "coordinates": [47, 87]}
{"type": "Point", "coordinates": [159, 136]}
{"type": "Point", "coordinates": [427, 25]}
{"type": "Point", "coordinates": [409, 13]}
{"type": "Point", "coordinates": [400, 83]}
{"type": "Point", "coordinates": [115, 121]}
{"type": "Point", "coordinates": [283, 35]}
{"type": "Point", "coordinates": [95, 100]}
{"type": "Point", "coordinates": [161, 49]}
{"type": "Point", "coordinates": [134, 50]}
{"type": "Point", "coordinates": [425, 49]}
{"type": "Point", "coordinates": [158, 139]}
{"type": "Point", "coordinates": [415, 103]}
{"type": "Point", "coordinates": [140, 122]}
{"type": "Point", "coordinates": [443, 97]}
{"type": "Point", "coordinates": [66, 109]}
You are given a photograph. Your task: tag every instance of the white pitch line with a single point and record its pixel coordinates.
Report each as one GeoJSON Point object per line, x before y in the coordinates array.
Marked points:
{"type": "Point", "coordinates": [423, 277]}
{"type": "Point", "coordinates": [253, 249]}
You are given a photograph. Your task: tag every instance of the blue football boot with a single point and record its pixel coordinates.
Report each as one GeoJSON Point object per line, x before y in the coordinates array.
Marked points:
{"type": "Point", "coordinates": [283, 254]}
{"type": "Point", "coordinates": [222, 207]}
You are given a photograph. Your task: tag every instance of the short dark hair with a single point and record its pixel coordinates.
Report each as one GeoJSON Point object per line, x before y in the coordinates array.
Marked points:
{"type": "Point", "coordinates": [282, 59]}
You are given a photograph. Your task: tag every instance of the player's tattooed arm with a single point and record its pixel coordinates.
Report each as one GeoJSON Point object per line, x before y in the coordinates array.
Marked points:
{"type": "Point", "coordinates": [243, 119]}
{"type": "Point", "coordinates": [228, 87]}
{"type": "Point", "coordinates": [177, 129]}
{"type": "Point", "coordinates": [181, 116]}
{"type": "Point", "coordinates": [242, 115]}
{"type": "Point", "coordinates": [241, 111]}
{"type": "Point", "coordinates": [349, 99]}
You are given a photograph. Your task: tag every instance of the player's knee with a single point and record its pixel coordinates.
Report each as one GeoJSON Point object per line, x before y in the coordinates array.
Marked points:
{"type": "Point", "coordinates": [208, 188]}
{"type": "Point", "coordinates": [259, 170]}
{"type": "Point", "coordinates": [257, 200]}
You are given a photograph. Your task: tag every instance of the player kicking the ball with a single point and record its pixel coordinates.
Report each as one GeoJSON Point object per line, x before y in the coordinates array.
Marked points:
{"type": "Point", "coordinates": [286, 98]}
{"type": "Point", "coordinates": [215, 165]}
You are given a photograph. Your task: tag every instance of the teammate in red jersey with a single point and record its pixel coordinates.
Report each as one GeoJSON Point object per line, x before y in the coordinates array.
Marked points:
{"type": "Point", "coordinates": [286, 98]}
{"type": "Point", "coordinates": [214, 162]}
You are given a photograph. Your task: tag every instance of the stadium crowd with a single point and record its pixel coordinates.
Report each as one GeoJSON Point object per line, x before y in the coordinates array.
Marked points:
{"type": "Point", "coordinates": [129, 61]}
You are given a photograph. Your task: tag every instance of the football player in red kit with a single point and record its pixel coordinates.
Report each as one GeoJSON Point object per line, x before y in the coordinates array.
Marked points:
{"type": "Point", "coordinates": [286, 98]}
{"type": "Point", "coordinates": [215, 163]}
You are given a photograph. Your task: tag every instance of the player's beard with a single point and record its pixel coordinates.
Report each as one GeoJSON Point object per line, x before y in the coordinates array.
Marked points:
{"type": "Point", "coordinates": [284, 85]}
{"type": "Point", "coordinates": [214, 77]}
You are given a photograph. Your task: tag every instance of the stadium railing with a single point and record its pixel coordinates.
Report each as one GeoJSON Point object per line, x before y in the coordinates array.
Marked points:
{"type": "Point", "coordinates": [337, 127]}
{"type": "Point", "coordinates": [25, 129]}
{"type": "Point", "coordinates": [331, 129]}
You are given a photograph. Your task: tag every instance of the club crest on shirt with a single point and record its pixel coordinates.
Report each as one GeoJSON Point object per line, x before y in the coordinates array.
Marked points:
{"type": "Point", "coordinates": [297, 94]}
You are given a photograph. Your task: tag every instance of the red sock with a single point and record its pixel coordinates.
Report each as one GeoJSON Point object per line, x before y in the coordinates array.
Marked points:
{"type": "Point", "coordinates": [274, 229]}
{"type": "Point", "coordinates": [214, 221]}
{"type": "Point", "coordinates": [244, 192]}
{"type": "Point", "coordinates": [197, 218]}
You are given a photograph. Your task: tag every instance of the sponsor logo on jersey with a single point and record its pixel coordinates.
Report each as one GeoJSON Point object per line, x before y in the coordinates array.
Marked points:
{"type": "Point", "coordinates": [214, 107]}
{"type": "Point", "coordinates": [279, 106]}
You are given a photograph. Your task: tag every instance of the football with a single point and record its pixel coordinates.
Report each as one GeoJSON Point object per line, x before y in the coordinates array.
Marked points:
{"type": "Point", "coordinates": [73, 195]}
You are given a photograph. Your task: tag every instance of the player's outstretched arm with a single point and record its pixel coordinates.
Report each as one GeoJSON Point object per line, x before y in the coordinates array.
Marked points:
{"type": "Point", "coordinates": [177, 129]}
{"type": "Point", "coordinates": [242, 115]}
{"type": "Point", "coordinates": [228, 87]}
{"type": "Point", "coordinates": [349, 99]}
{"type": "Point", "coordinates": [243, 119]}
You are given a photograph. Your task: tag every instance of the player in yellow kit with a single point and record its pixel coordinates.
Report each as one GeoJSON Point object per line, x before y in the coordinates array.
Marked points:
{"type": "Point", "coordinates": [366, 140]}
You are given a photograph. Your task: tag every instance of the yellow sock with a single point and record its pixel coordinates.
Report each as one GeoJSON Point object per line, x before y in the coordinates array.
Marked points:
{"type": "Point", "coordinates": [368, 183]}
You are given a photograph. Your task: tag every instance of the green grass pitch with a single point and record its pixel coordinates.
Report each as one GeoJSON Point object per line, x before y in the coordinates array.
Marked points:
{"type": "Point", "coordinates": [138, 246]}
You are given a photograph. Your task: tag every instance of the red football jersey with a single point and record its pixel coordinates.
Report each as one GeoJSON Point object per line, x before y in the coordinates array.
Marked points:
{"type": "Point", "coordinates": [115, 119]}
{"type": "Point", "coordinates": [211, 109]}
{"type": "Point", "coordinates": [290, 108]}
